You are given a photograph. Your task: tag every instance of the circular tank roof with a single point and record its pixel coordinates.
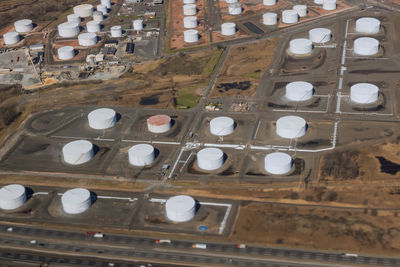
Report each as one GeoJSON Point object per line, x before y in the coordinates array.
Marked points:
{"type": "Point", "coordinates": [278, 163]}
{"type": "Point", "coordinates": [366, 46]}
{"type": "Point", "coordinates": [299, 91]}
{"type": "Point", "coordinates": [368, 25]}
{"type": "Point", "coordinates": [76, 196]}
{"type": "Point", "coordinates": [291, 127]}
{"type": "Point", "coordinates": [182, 203]}
{"type": "Point", "coordinates": [364, 93]}
{"type": "Point", "coordinates": [11, 192]}
{"type": "Point", "coordinates": [210, 153]}
{"type": "Point", "coordinates": [65, 49]}
{"type": "Point", "coordinates": [23, 22]}
{"type": "Point", "coordinates": [222, 126]}
{"type": "Point", "coordinates": [320, 35]}
{"type": "Point", "coordinates": [158, 120]}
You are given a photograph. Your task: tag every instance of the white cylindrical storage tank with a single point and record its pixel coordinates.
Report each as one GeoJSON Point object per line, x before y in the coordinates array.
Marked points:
{"type": "Point", "coordinates": [231, 1]}
{"type": "Point", "coordinates": [270, 18]}
{"type": "Point", "coordinates": [12, 196]}
{"type": "Point", "coordinates": [11, 38]}
{"type": "Point", "coordinates": [180, 208]}
{"type": "Point", "coordinates": [76, 200]}
{"type": "Point", "coordinates": [366, 46]}
{"type": "Point", "coordinates": [116, 31]}
{"type": "Point", "coordinates": [291, 127]}
{"type": "Point", "coordinates": [74, 18]}
{"type": "Point", "coordinates": [228, 28]}
{"type": "Point", "coordinates": [364, 93]}
{"type": "Point", "coordinates": [191, 36]}
{"type": "Point", "coordinates": [93, 26]}
{"type": "Point", "coordinates": [106, 3]}
{"type": "Point", "coordinates": [190, 22]}
{"type": "Point", "coordinates": [87, 39]}
{"type": "Point", "coordinates": [84, 10]}
{"type": "Point", "coordinates": [329, 5]}
{"type": "Point", "coordinates": [235, 9]}
{"type": "Point", "coordinates": [299, 91]}
{"type": "Point", "coordinates": [368, 25]}
{"type": "Point", "coordinates": [138, 24]}
{"type": "Point", "coordinates": [222, 126]}
{"type": "Point", "coordinates": [141, 155]}
{"type": "Point", "coordinates": [102, 8]}
{"type": "Point", "coordinates": [68, 29]}
{"type": "Point", "coordinates": [318, 2]}
{"type": "Point", "coordinates": [278, 163]}
{"type": "Point", "coordinates": [300, 46]}
{"type": "Point", "coordinates": [320, 35]}
{"type": "Point", "coordinates": [102, 118]}
{"type": "Point", "coordinates": [159, 123]}
{"type": "Point", "coordinates": [98, 16]}
{"type": "Point", "coordinates": [301, 10]}
{"type": "Point", "coordinates": [290, 16]}
{"type": "Point", "coordinates": [189, 1]}
{"type": "Point", "coordinates": [189, 10]}
{"type": "Point", "coordinates": [210, 159]}
{"type": "Point", "coordinates": [23, 25]}
{"type": "Point", "coordinates": [269, 2]}
{"type": "Point", "coordinates": [78, 152]}
{"type": "Point", "coordinates": [66, 53]}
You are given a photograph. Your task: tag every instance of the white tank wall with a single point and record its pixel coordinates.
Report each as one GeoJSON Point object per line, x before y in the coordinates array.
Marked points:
{"type": "Point", "coordinates": [78, 152]}
{"type": "Point", "coordinates": [106, 3]}
{"type": "Point", "coordinates": [189, 1]}
{"type": "Point", "coordinates": [190, 22]}
{"type": "Point", "coordinates": [141, 155]}
{"type": "Point", "coordinates": [222, 126]}
{"type": "Point", "coordinates": [210, 159]}
{"type": "Point", "coordinates": [228, 28]}
{"type": "Point", "coordinates": [368, 25]}
{"type": "Point", "coordinates": [11, 38]}
{"type": "Point", "coordinates": [74, 18]}
{"type": "Point", "coordinates": [318, 2]}
{"type": "Point", "coordinates": [65, 53]}
{"type": "Point", "coordinates": [180, 208]}
{"type": "Point", "coordinates": [98, 16]}
{"type": "Point", "coordinates": [87, 39]}
{"type": "Point", "coordinates": [84, 10]}
{"type": "Point", "coordinates": [366, 46]}
{"type": "Point", "coordinates": [299, 91]}
{"type": "Point", "coordinates": [191, 36]}
{"type": "Point", "coordinates": [300, 46]}
{"type": "Point", "coordinates": [76, 201]}
{"type": "Point", "coordinates": [93, 26]}
{"type": "Point", "coordinates": [159, 123]}
{"type": "Point", "coordinates": [235, 9]}
{"type": "Point", "coordinates": [102, 118]}
{"type": "Point", "coordinates": [23, 25]}
{"type": "Point", "coordinates": [301, 10]}
{"type": "Point", "coordinates": [329, 5]}
{"type": "Point", "coordinates": [137, 24]}
{"type": "Point", "coordinates": [102, 8]}
{"type": "Point", "coordinates": [68, 29]}
{"type": "Point", "coordinates": [231, 1]}
{"type": "Point", "coordinates": [269, 2]}
{"type": "Point", "coordinates": [278, 163]}
{"type": "Point", "coordinates": [320, 35]}
{"type": "Point", "coordinates": [364, 93]}
{"type": "Point", "coordinates": [290, 16]}
{"type": "Point", "coordinates": [12, 196]}
{"type": "Point", "coordinates": [291, 127]}
{"type": "Point", "coordinates": [116, 31]}
{"type": "Point", "coordinates": [270, 18]}
{"type": "Point", "coordinates": [189, 10]}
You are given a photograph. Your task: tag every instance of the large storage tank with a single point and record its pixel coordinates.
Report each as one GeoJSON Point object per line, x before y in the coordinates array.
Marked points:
{"type": "Point", "coordinates": [78, 152]}
{"type": "Point", "coordinates": [138, 24]}
{"type": "Point", "coordinates": [278, 163]}
{"type": "Point", "coordinates": [222, 126]}
{"type": "Point", "coordinates": [235, 9]}
{"type": "Point", "coordinates": [159, 123]}
{"type": "Point", "coordinates": [191, 36]}
{"type": "Point", "coordinates": [76, 200]}
{"type": "Point", "coordinates": [231, 1]}
{"type": "Point", "coordinates": [98, 16]}
{"type": "Point", "coordinates": [366, 46]}
{"type": "Point", "coordinates": [189, 10]}
{"type": "Point", "coordinates": [68, 29]}
{"type": "Point", "coordinates": [141, 155]}
{"type": "Point", "coordinates": [102, 118]}
{"type": "Point", "coordinates": [364, 93]}
{"type": "Point", "coordinates": [84, 10]}
{"type": "Point", "coordinates": [368, 25]}
{"type": "Point", "coordinates": [189, 1]}
{"type": "Point", "coordinates": [106, 3]}
{"type": "Point", "coordinates": [290, 16]}
{"type": "Point", "coordinates": [87, 39]}
{"type": "Point", "coordinates": [11, 38]}
{"type": "Point", "coordinates": [93, 26]}
{"type": "Point", "coordinates": [318, 2]}
{"type": "Point", "coordinates": [301, 10]}
{"type": "Point", "coordinates": [74, 18]}
{"type": "Point", "coordinates": [190, 22]}
{"type": "Point", "coordinates": [329, 5]}
{"type": "Point", "coordinates": [102, 8]}
{"type": "Point", "coordinates": [180, 208]}
{"type": "Point", "coordinates": [228, 28]}
{"type": "Point", "coordinates": [12, 196]}
{"type": "Point", "coordinates": [299, 91]}
{"type": "Point", "coordinates": [300, 46]}
{"type": "Point", "coordinates": [269, 2]}
{"type": "Point", "coordinates": [210, 159]}
{"type": "Point", "coordinates": [320, 35]}
{"type": "Point", "coordinates": [270, 18]}
{"type": "Point", "coordinates": [23, 25]}
{"type": "Point", "coordinates": [291, 127]}
{"type": "Point", "coordinates": [116, 31]}
{"type": "Point", "coordinates": [66, 53]}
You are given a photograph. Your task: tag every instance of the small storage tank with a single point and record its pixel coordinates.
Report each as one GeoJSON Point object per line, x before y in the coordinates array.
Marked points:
{"type": "Point", "coordinates": [278, 163]}
{"type": "Point", "coordinates": [222, 126]}
{"type": "Point", "coordinates": [290, 16]}
{"type": "Point", "coordinates": [102, 118]}
{"type": "Point", "coordinates": [76, 200]}
{"type": "Point", "coordinates": [231, 1]}
{"type": "Point", "coordinates": [210, 159]}
{"type": "Point", "coordinates": [87, 39]}
{"type": "Point", "coordinates": [191, 36]}
{"type": "Point", "coordinates": [235, 9]}
{"type": "Point", "coordinates": [364, 93]}
{"type": "Point", "coordinates": [66, 53]}
{"type": "Point", "coordinates": [299, 91]}
{"type": "Point", "coordinates": [74, 18]}
{"type": "Point", "coordinates": [269, 2]}
{"type": "Point", "coordinates": [190, 22]}
{"type": "Point", "coordinates": [78, 152]}
{"type": "Point", "coordinates": [102, 8]}
{"type": "Point", "coordinates": [84, 10]}
{"type": "Point", "coordinates": [318, 2]}
{"type": "Point", "coordinates": [23, 25]}
{"type": "Point", "coordinates": [98, 16]}
{"type": "Point", "coordinates": [11, 38]}
{"type": "Point", "coordinates": [93, 26]}
{"type": "Point", "coordinates": [366, 46]}
{"type": "Point", "coordinates": [301, 10]}
{"type": "Point", "coordinates": [228, 28]}
{"type": "Point", "coordinates": [116, 31]}
{"type": "Point", "coordinates": [12, 196]}
{"type": "Point", "coordinates": [189, 1]}
{"type": "Point", "coordinates": [368, 25]}
{"type": "Point", "coordinates": [291, 127]}
{"type": "Point", "coordinates": [320, 35]}
{"type": "Point", "coordinates": [270, 18]}
{"type": "Point", "coordinates": [141, 155]}
{"type": "Point", "coordinates": [189, 10]}
{"type": "Point", "coordinates": [138, 24]}
{"type": "Point", "coordinates": [68, 29]}
{"type": "Point", "coordinates": [159, 123]}
{"type": "Point", "coordinates": [180, 208]}
{"type": "Point", "coordinates": [300, 46]}
{"type": "Point", "coordinates": [329, 5]}
{"type": "Point", "coordinates": [106, 3]}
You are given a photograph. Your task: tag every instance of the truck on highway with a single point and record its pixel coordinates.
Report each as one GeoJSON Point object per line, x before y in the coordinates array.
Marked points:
{"type": "Point", "coordinates": [162, 241]}
{"type": "Point", "coordinates": [241, 246]}
{"type": "Point", "coordinates": [349, 255]}
{"type": "Point", "coordinates": [199, 245]}
{"type": "Point", "coordinates": [95, 234]}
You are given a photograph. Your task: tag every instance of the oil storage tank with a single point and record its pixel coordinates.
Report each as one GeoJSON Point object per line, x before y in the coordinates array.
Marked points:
{"type": "Point", "coordinates": [269, 2]}
{"type": "Point", "coordinates": [66, 52]}
{"type": "Point", "coordinates": [98, 16]}
{"type": "Point", "coordinates": [12, 196]}
{"type": "Point", "coordinates": [366, 46]}
{"type": "Point", "coordinates": [76, 201]}
{"type": "Point", "coordinates": [141, 155]}
{"type": "Point", "coordinates": [180, 208]}
{"type": "Point", "coordinates": [102, 118]}
{"type": "Point", "coordinates": [291, 127]}
{"type": "Point", "coordinates": [74, 18]}
{"type": "Point", "coordinates": [116, 31]}
{"type": "Point", "coordinates": [290, 16]}
{"type": "Point", "coordinates": [278, 163]}
{"type": "Point", "coordinates": [137, 25]}
{"type": "Point", "coordinates": [364, 93]}
{"type": "Point", "coordinates": [299, 91]}
{"type": "Point", "coordinates": [231, 1]}
{"type": "Point", "coordinates": [11, 38]}
{"type": "Point", "coordinates": [93, 26]}
{"type": "Point", "coordinates": [189, 1]}
{"type": "Point", "coordinates": [329, 5]}
{"type": "Point", "coordinates": [102, 8]}
{"type": "Point", "coordinates": [190, 22]}
{"type": "Point", "coordinates": [368, 25]}
{"type": "Point", "coordinates": [23, 25]}
{"type": "Point", "coordinates": [320, 35]}
{"type": "Point", "coordinates": [318, 2]}
{"type": "Point", "coordinates": [189, 10]}
{"type": "Point", "coordinates": [301, 10]}
{"type": "Point", "coordinates": [235, 9]}
{"type": "Point", "coordinates": [87, 39]}
{"type": "Point", "coordinates": [68, 29]}
{"type": "Point", "coordinates": [159, 123]}
{"type": "Point", "coordinates": [106, 3]}
{"type": "Point", "coordinates": [228, 28]}
{"type": "Point", "coordinates": [78, 152]}
{"type": "Point", "coordinates": [222, 126]}
{"type": "Point", "coordinates": [300, 46]}
{"type": "Point", "coordinates": [84, 10]}
{"type": "Point", "coordinates": [270, 18]}
{"type": "Point", "coordinates": [210, 159]}
{"type": "Point", "coordinates": [190, 36]}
